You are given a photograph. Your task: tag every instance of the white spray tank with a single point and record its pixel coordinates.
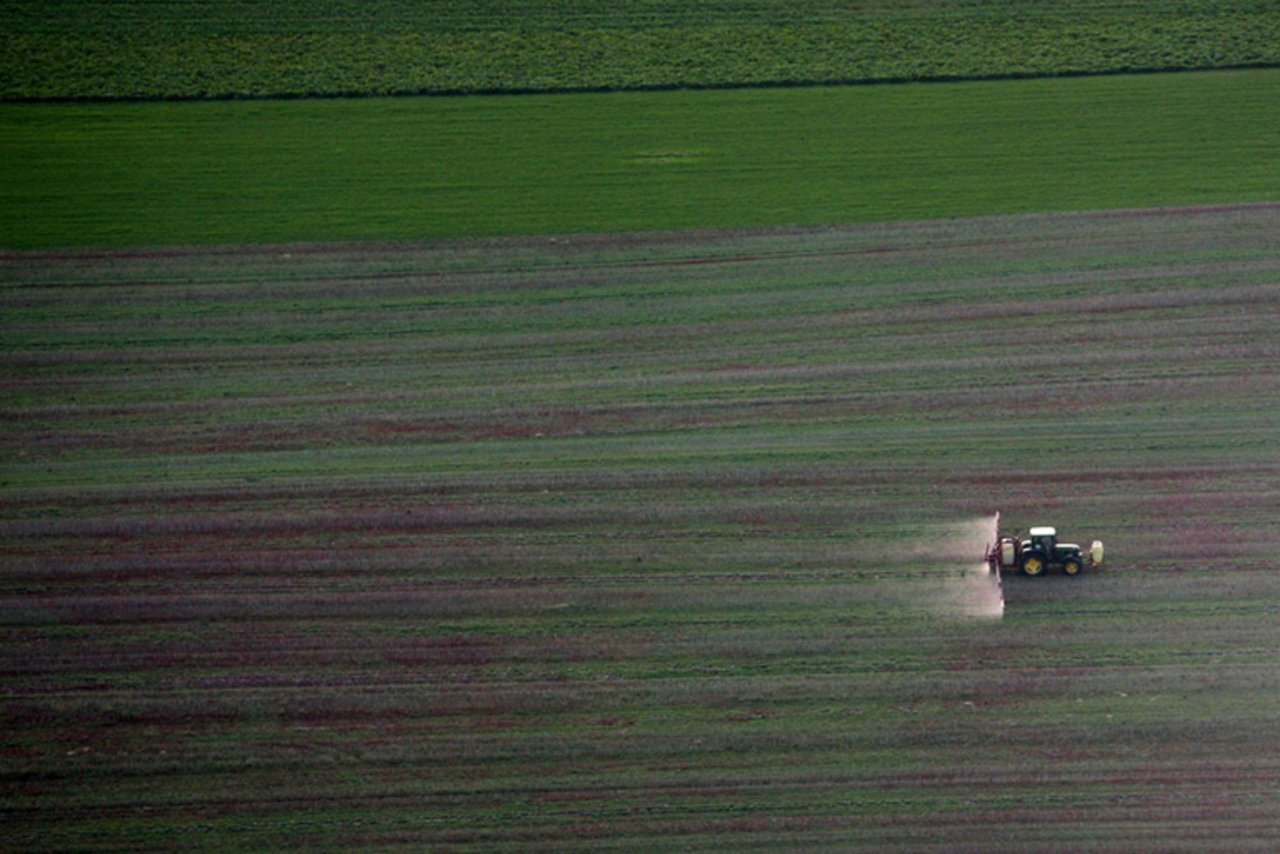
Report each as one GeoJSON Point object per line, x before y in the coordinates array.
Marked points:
{"type": "Point", "coordinates": [1008, 554]}
{"type": "Point", "coordinates": [1095, 552]}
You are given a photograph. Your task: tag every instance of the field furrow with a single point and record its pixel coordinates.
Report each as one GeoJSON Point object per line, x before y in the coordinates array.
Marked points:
{"type": "Point", "coordinates": [649, 541]}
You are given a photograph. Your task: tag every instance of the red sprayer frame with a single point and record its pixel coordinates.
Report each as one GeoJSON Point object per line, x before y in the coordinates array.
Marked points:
{"type": "Point", "coordinates": [993, 559]}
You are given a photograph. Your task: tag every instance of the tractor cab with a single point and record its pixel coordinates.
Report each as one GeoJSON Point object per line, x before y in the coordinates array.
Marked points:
{"type": "Point", "coordinates": [1043, 543]}
{"type": "Point", "coordinates": [1043, 540]}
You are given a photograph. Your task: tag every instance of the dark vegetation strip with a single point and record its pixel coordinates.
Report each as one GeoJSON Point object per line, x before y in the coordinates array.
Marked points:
{"type": "Point", "coordinates": [825, 82]}
{"type": "Point", "coordinates": [71, 49]}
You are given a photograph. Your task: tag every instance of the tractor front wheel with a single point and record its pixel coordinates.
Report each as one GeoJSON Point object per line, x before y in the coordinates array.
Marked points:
{"type": "Point", "coordinates": [1071, 567]}
{"type": "Point", "coordinates": [1033, 565]}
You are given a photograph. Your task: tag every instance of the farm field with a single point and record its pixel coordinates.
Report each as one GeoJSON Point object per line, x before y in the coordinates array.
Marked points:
{"type": "Point", "coordinates": [144, 49]}
{"type": "Point", "coordinates": [645, 541]}
{"type": "Point", "coordinates": [374, 169]}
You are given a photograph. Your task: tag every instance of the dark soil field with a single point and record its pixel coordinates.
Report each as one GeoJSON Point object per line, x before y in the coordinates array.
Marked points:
{"type": "Point", "coordinates": [647, 542]}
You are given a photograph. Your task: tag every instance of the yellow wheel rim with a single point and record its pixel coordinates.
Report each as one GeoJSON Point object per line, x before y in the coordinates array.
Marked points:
{"type": "Point", "coordinates": [1032, 566]}
{"type": "Point", "coordinates": [1071, 567]}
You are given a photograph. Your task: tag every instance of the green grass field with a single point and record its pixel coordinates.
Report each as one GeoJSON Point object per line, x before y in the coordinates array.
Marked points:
{"type": "Point", "coordinates": [644, 542]}
{"type": "Point", "coordinates": [61, 49]}
{"type": "Point", "coordinates": [382, 169]}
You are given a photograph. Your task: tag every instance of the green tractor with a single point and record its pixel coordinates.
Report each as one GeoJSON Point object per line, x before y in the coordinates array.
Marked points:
{"type": "Point", "coordinates": [1039, 553]}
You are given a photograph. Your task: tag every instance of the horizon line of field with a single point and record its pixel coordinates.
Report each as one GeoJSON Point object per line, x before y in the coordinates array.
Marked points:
{"type": "Point", "coordinates": [499, 91]}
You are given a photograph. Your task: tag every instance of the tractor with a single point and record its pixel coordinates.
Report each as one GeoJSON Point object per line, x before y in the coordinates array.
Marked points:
{"type": "Point", "coordinates": [1038, 553]}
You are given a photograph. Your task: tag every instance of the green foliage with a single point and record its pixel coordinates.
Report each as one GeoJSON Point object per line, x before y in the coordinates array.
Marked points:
{"type": "Point", "coordinates": [137, 174]}
{"type": "Point", "coordinates": [87, 49]}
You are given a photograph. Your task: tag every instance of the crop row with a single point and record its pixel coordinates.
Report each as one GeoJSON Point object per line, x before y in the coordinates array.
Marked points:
{"type": "Point", "coordinates": [644, 540]}
{"type": "Point", "coordinates": [150, 51]}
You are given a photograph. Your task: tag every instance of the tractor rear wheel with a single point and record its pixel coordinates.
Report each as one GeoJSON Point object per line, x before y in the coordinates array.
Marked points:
{"type": "Point", "coordinates": [1033, 565]}
{"type": "Point", "coordinates": [1071, 567]}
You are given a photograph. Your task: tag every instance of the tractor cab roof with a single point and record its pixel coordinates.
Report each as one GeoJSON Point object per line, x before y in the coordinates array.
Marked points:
{"type": "Point", "coordinates": [1044, 532]}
